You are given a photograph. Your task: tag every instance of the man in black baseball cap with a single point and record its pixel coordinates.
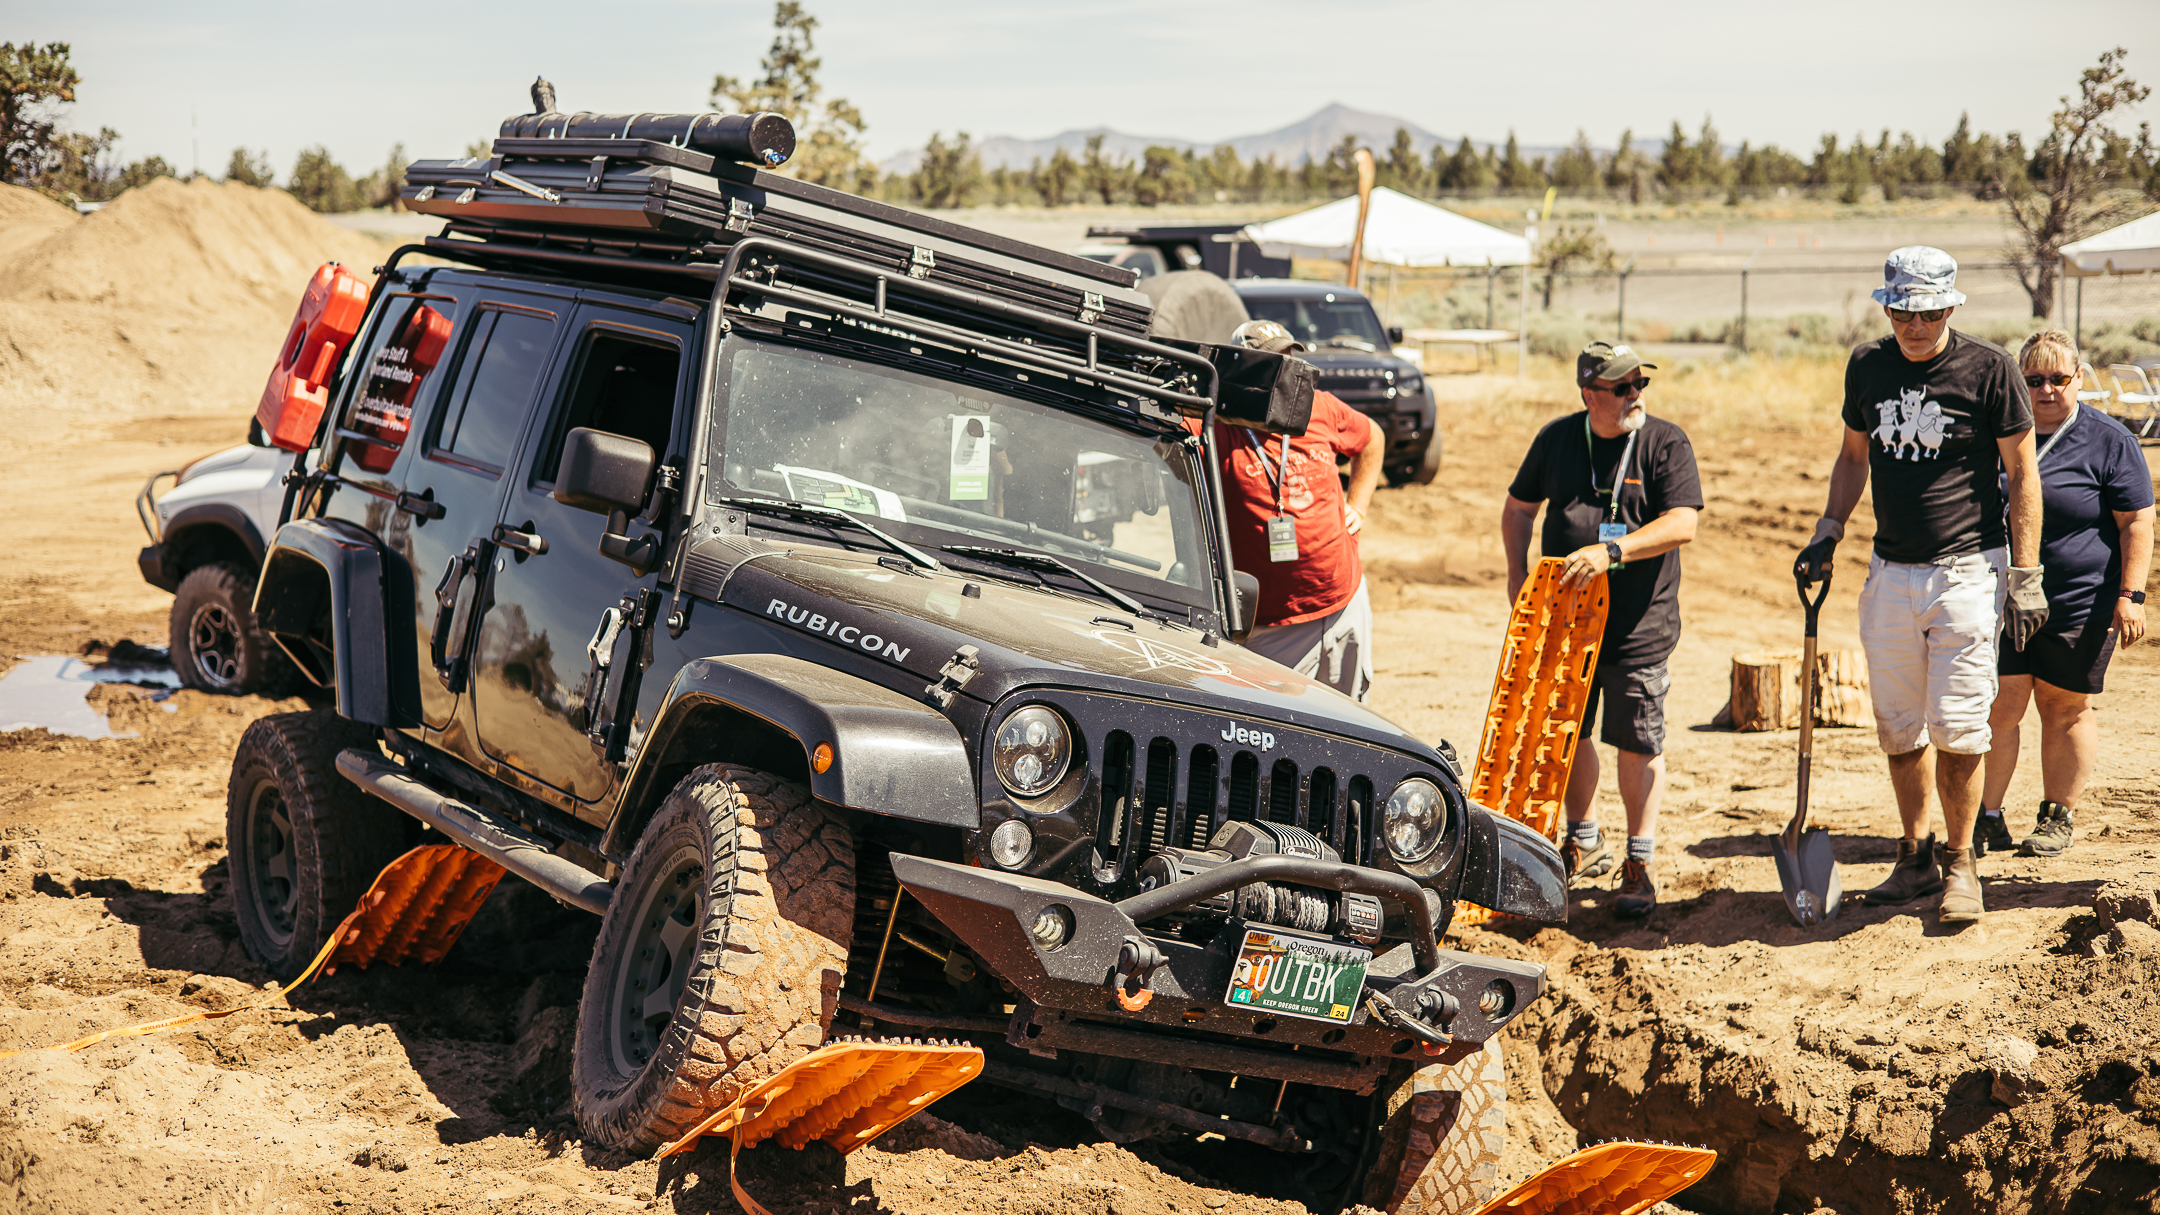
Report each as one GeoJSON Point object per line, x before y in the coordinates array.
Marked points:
{"type": "Point", "coordinates": [1621, 494]}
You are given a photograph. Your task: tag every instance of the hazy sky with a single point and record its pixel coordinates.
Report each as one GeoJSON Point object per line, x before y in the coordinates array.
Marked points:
{"type": "Point", "coordinates": [437, 75]}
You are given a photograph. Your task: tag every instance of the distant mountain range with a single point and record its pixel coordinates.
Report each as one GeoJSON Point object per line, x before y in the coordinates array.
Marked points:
{"type": "Point", "coordinates": [1292, 145]}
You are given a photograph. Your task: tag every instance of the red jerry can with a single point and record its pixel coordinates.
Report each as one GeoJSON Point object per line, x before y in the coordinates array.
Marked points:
{"type": "Point", "coordinates": [293, 401]}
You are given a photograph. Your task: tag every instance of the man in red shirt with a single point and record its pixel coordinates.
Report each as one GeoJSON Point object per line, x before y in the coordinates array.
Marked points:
{"type": "Point", "coordinates": [1294, 527]}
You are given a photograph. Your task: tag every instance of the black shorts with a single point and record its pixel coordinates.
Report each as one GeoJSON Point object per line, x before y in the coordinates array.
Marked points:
{"type": "Point", "coordinates": [1635, 715]}
{"type": "Point", "coordinates": [2073, 661]}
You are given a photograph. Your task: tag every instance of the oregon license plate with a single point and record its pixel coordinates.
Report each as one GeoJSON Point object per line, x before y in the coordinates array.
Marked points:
{"type": "Point", "coordinates": [1298, 976]}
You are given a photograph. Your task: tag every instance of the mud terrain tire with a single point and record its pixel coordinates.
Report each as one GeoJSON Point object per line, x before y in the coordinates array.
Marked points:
{"type": "Point", "coordinates": [214, 642]}
{"type": "Point", "coordinates": [1445, 1126]}
{"type": "Point", "coordinates": [720, 959]}
{"type": "Point", "coordinates": [301, 843]}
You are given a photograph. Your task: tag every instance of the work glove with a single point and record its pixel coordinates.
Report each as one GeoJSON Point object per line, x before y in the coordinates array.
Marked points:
{"type": "Point", "coordinates": [2027, 610]}
{"type": "Point", "coordinates": [1814, 563]}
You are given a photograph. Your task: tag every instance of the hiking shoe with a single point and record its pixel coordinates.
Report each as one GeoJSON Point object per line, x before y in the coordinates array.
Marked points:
{"type": "Point", "coordinates": [1914, 875]}
{"type": "Point", "coordinates": [1637, 897]}
{"type": "Point", "coordinates": [1594, 863]}
{"type": "Point", "coordinates": [2051, 835]}
{"type": "Point", "coordinates": [1961, 887]}
{"type": "Point", "coordinates": [1991, 834]}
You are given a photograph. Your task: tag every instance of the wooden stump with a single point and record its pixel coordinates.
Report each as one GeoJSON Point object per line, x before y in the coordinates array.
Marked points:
{"type": "Point", "coordinates": [1766, 690]}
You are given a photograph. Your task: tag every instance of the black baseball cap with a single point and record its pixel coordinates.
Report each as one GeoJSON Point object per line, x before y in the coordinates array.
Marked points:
{"type": "Point", "coordinates": [1606, 361]}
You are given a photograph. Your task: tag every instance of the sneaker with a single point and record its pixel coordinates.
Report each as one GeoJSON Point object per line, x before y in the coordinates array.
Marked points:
{"type": "Point", "coordinates": [1991, 834]}
{"type": "Point", "coordinates": [2051, 835]}
{"type": "Point", "coordinates": [1593, 863]}
{"type": "Point", "coordinates": [1961, 887]}
{"type": "Point", "coordinates": [1637, 897]}
{"type": "Point", "coordinates": [1914, 875]}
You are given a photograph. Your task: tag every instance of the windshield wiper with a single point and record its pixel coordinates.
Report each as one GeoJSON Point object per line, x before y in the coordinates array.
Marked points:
{"type": "Point", "coordinates": [1044, 561]}
{"type": "Point", "coordinates": [839, 518]}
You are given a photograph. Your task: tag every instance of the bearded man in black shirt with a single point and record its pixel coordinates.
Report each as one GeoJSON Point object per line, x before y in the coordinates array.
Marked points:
{"type": "Point", "coordinates": [1621, 495]}
{"type": "Point", "coordinates": [1933, 414]}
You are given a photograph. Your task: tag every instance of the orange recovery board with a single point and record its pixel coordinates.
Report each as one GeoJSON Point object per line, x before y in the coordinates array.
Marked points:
{"type": "Point", "coordinates": [1535, 717]}
{"type": "Point", "coordinates": [417, 908]}
{"type": "Point", "coordinates": [1619, 1178]}
{"type": "Point", "coordinates": [846, 1093]}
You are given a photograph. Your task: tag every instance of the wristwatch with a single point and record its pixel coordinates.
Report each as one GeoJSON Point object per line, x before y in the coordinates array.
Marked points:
{"type": "Point", "coordinates": [1612, 550]}
{"type": "Point", "coordinates": [2136, 597]}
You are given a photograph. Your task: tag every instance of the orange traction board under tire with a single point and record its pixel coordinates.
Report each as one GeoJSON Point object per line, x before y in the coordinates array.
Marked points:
{"type": "Point", "coordinates": [846, 1092]}
{"type": "Point", "coordinates": [419, 905]}
{"type": "Point", "coordinates": [1535, 717]}
{"type": "Point", "coordinates": [1620, 1178]}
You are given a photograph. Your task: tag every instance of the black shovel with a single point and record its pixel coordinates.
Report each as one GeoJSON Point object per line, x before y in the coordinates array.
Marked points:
{"type": "Point", "coordinates": [1805, 867]}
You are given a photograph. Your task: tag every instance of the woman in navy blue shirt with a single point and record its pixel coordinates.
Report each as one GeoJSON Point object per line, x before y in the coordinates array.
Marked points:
{"type": "Point", "coordinates": [2096, 547]}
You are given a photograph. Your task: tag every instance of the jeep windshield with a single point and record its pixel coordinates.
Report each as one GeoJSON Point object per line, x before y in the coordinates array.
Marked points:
{"type": "Point", "coordinates": [1322, 319]}
{"type": "Point", "coordinates": [941, 464]}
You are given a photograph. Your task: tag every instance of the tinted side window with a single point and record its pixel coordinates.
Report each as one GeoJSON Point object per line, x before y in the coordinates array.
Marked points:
{"type": "Point", "coordinates": [409, 338]}
{"type": "Point", "coordinates": [625, 386]}
{"type": "Point", "coordinates": [502, 367]}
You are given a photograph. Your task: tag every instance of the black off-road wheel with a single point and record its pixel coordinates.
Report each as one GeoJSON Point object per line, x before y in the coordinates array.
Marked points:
{"type": "Point", "coordinates": [301, 843]}
{"type": "Point", "coordinates": [1443, 1128]}
{"type": "Point", "coordinates": [720, 958]}
{"type": "Point", "coordinates": [215, 644]}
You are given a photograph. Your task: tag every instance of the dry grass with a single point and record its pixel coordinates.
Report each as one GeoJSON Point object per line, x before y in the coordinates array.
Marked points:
{"type": "Point", "coordinates": [1711, 398]}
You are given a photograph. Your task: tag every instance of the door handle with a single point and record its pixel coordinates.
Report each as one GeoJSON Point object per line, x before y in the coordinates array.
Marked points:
{"type": "Point", "coordinates": [532, 544]}
{"type": "Point", "coordinates": [422, 504]}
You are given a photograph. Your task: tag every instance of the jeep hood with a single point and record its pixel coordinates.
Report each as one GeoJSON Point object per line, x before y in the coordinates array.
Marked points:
{"type": "Point", "coordinates": [1030, 637]}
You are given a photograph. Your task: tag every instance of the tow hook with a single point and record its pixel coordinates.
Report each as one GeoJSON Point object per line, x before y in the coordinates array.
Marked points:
{"type": "Point", "coordinates": [1433, 1006]}
{"type": "Point", "coordinates": [1137, 958]}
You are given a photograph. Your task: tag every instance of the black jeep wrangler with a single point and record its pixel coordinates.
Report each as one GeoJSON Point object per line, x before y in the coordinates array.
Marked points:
{"type": "Point", "coordinates": [837, 601]}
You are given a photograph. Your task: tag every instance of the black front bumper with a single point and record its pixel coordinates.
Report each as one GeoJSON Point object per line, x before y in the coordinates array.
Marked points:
{"type": "Point", "coordinates": [151, 561]}
{"type": "Point", "coordinates": [1080, 978]}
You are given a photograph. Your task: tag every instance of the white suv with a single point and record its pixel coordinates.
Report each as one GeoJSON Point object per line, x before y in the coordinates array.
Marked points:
{"type": "Point", "coordinates": [207, 535]}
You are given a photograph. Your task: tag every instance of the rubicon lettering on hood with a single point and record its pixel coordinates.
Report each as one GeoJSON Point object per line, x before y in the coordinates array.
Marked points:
{"type": "Point", "coordinates": [1251, 738]}
{"type": "Point", "coordinates": [837, 629]}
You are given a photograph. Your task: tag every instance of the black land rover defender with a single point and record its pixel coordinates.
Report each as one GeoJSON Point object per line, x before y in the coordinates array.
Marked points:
{"type": "Point", "coordinates": [837, 601]}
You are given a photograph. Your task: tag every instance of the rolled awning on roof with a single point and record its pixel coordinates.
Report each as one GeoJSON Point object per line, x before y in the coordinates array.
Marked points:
{"type": "Point", "coordinates": [1399, 231]}
{"type": "Point", "coordinates": [2133, 248]}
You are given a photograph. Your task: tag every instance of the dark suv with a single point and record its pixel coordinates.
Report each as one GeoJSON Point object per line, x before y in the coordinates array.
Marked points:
{"type": "Point", "coordinates": [837, 601]}
{"type": "Point", "coordinates": [1356, 357]}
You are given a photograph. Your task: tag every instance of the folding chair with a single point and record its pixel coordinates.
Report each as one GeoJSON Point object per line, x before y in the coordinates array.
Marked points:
{"type": "Point", "coordinates": [2141, 406]}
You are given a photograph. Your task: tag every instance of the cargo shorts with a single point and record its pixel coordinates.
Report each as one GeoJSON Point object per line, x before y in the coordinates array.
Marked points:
{"type": "Point", "coordinates": [1930, 636]}
{"type": "Point", "coordinates": [1633, 701]}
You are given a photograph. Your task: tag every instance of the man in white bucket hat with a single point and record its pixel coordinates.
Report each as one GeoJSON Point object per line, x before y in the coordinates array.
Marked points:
{"type": "Point", "coordinates": [1933, 415]}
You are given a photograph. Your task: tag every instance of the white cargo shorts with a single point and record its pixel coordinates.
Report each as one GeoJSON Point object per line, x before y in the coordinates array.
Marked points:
{"type": "Point", "coordinates": [1335, 649]}
{"type": "Point", "coordinates": [1929, 631]}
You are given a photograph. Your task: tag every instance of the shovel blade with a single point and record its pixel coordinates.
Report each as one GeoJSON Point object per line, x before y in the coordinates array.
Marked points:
{"type": "Point", "coordinates": [1809, 877]}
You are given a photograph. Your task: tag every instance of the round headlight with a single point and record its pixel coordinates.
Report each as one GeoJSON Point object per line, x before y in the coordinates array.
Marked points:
{"type": "Point", "coordinates": [1031, 751]}
{"type": "Point", "coordinates": [1011, 843]}
{"type": "Point", "coordinates": [1414, 819]}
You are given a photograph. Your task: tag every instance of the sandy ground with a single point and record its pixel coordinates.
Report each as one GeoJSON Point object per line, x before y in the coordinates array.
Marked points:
{"type": "Point", "coordinates": [1880, 1064]}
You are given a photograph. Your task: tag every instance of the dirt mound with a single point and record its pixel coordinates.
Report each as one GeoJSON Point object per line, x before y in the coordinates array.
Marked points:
{"type": "Point", "coordinates": [26, 219]}
{"type": "Point", "coordinates": [170, 299]}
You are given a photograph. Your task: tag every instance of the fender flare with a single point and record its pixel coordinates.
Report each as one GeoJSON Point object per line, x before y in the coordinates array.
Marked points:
{"type": "Point", "coordinates": [1509, 868]}
{"type": "Point", "coordinates": [320, 569]}
{"type": "Point", "coordinates": [220, 515]}
{"type": "Point", "coordinates": [892, 756]}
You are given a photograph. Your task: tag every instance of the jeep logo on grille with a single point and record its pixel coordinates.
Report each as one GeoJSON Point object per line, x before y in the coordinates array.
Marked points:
{"type": "Point", "coordinates": [1250, 738]}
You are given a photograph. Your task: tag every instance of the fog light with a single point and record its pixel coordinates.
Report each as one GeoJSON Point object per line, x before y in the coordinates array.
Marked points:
{"type": "Point", "coordinates": [1011, 843]}
{"type": "Point", "coordinates": [1497, 998]}
{"type": "Point", "coordinates": [1052, 925]}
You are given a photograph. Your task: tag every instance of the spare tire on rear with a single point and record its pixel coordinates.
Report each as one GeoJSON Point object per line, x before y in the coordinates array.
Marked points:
{"type": "Point", "coordinates": [1194, 306]}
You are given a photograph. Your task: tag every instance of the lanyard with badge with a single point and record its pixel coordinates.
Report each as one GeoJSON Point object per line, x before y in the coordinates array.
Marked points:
{"type": "Point", "coordinates": [1610, 528]}
{"type": "Point", "coordinates": [1281, 528]}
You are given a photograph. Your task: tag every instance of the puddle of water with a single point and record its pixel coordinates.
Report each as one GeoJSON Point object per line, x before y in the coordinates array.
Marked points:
{"type": "Point", "coordinates": [48, 691]}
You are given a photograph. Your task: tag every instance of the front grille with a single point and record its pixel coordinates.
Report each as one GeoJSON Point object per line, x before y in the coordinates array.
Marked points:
{"type": "Point", "coordinates": [1317, 800]}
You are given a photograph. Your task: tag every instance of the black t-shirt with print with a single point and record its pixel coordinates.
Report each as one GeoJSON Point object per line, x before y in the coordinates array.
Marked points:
{"type": "Point", "coordinates": [1931, 431]}
{"type": "Point", "coordinates": [1642, 621]}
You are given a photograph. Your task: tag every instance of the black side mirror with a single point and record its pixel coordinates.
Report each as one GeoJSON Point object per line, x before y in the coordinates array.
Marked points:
{"type": "Point", "coordinates": [611, 474]}
{"type": "Point", "coordinates": [1394, 335]}
{"type": "Point", "coordinates": [1248, 604]}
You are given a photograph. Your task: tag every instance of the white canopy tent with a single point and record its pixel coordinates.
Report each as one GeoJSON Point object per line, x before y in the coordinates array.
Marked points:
{"type": "Point", "coordinates": [2133, 248]}
{"type": "Point", "coordinates": [1399, 231]}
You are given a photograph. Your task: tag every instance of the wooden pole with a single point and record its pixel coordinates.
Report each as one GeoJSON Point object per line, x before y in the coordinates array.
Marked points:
{"type": "Point", "coordinates": [1364, 206]}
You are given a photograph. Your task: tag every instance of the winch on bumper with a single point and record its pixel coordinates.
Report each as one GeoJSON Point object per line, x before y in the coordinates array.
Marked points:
{"type": "Point", "coordinates": [1074, 955]}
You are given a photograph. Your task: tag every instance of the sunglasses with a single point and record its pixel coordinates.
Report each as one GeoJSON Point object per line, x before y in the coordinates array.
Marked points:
{"type": "Point", "coordinates": [1931, 316]}
{"type": "Point", "coordinates": [2056, 380]}
{"type": "Point", "coordinates": [1627, 388]}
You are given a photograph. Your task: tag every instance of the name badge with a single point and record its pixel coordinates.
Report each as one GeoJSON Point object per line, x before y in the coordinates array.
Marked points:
{"type": "Point", "coordinates": [1282, 538]}
{"type": "Point", "coordinates": [1610, 531]}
